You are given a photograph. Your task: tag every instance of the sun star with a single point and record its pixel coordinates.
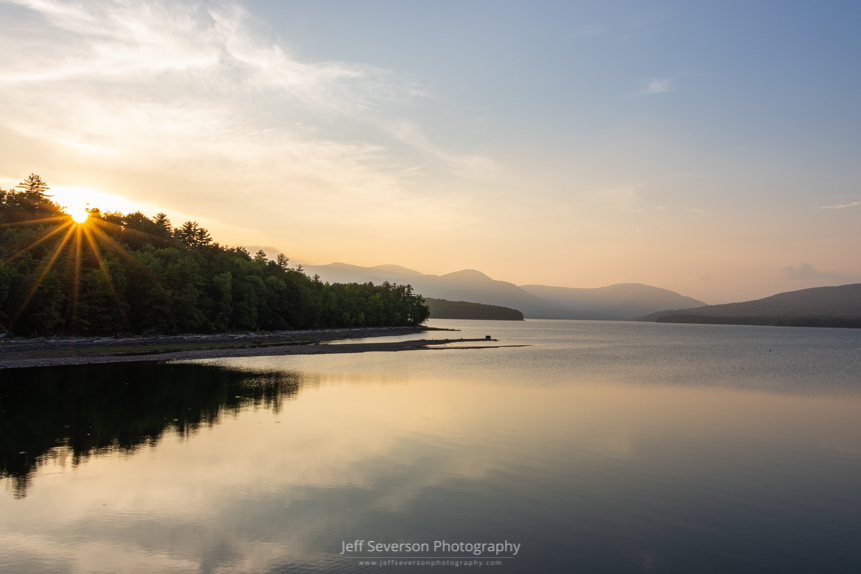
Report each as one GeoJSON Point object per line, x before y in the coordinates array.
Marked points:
{"type": "Point", "coordinates": [78, 214]}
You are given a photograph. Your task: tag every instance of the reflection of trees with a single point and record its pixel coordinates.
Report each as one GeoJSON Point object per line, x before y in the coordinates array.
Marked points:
{"type": "Point", "coordinates": [93, 409]}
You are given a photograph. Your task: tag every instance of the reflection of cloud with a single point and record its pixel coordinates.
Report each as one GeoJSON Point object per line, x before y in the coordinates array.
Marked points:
{"type": "Point", "coordinates": [842, 205]}
{"type": "Point", "coordinates": [383, 442]}
{"type": "Point", "coordinates": [96, 556]}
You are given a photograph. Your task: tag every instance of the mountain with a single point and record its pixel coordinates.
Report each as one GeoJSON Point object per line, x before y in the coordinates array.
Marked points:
{"type": "Point", "coordinates": [616, 302]}
{"type": "Point", "coordinates": [843, 302]}
{"type": "Point", "coordinates": [346, 273]}
{"type": "Point", "coordinates": [467, 285]}
{"type": "Point", "coordinates": [621, 301]}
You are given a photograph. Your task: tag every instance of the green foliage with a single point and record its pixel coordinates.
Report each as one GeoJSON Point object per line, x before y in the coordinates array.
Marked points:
{"type": "Point", "coordinates": [130, 273]}
{"type": "Point", "coordinates": [444, 309]}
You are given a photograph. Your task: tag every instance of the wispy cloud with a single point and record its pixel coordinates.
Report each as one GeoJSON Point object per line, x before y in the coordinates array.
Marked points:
{"type": "Point", "coordinates": [660, 86]}
{"type": "Point", "coordinates": [590, 31]}
{"type": "Point", "coordinates": [464, 164]}
{"type": "Point", "coordinates": [624, 197]}
{"type": "Point", "coordinates": [842, 205]}
{"type": "Point", "coordinates": [807, 271]}
{"type": "Point", "coordinates": [656, 86]}
{"type": "Point", "coordinates": [206, 94]}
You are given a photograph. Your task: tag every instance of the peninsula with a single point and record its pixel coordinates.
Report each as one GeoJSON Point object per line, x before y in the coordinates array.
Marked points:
{"type": "Point", "coordinates": [87, 273]}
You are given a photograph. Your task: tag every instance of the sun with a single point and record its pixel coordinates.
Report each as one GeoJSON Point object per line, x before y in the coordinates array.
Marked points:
{"type": "Point", "coordinates": [78, 214]}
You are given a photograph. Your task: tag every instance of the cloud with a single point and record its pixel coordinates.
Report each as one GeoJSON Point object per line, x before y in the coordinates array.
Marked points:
{"type": "Point", "coordinates": [204, 96]}
{"type": "Point", "coordinates": [624, 197]}
{"type": "Point", "coordinates": [807, 271]}
{"type": "Point", "coordinates": [464, 164]}
{"type": "Point", "coordinates": [657, 86]}
{"type": "Point", "coordinates": [842, 205]}
{"type": "Point", "coordinates": [590, 31]}
{"type": "Point", "coordinates": [701, 277]}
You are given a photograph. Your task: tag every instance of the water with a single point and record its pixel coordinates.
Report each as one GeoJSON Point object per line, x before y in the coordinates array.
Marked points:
{"type": "Point", "coordinates": [601, 447]}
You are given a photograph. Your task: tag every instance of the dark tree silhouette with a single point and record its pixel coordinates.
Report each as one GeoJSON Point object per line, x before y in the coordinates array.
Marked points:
{"type": "Point", "coordinates": [33, 187]}
{"type": "Point", "coordinates": [192, 235]}
{"type": "Point", "coordinates": [131, 273]}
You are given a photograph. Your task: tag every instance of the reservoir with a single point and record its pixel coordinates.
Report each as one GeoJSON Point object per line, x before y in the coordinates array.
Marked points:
{"type": "Point", "coordinates": [593, 447]}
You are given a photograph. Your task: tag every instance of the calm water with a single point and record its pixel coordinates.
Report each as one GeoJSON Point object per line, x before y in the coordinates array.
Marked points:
{"type": "Point", "coordinates": [602, 447]}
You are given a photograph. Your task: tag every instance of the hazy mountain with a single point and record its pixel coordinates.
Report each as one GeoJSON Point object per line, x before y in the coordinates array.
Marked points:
{"type": "Point", "coordinates": [616, 302]}
{"type": "Point", "coordinates": [346, 273]}
{"type": "Point", "coordinates": [620, 301]}
{"type": "Point", "coordinates": [843, 301]}
{"type": "Point", "coordinates": [467, 285]}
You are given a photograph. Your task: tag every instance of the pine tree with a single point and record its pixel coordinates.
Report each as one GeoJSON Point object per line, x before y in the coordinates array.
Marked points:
{"type": "Point", "coordinates": [34, 188]}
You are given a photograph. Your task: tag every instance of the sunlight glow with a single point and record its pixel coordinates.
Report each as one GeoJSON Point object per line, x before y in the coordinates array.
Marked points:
{"type": "Point", "coordinates": [78, 214]}
{"type": "Point", "coordinates": [76, 195]}
{"type": "Point", "coordinates": [90, 232]}
{"type": "Point", "coordinates": [103, 266]}
{"type": "Point", "coordinates": [46, 269]}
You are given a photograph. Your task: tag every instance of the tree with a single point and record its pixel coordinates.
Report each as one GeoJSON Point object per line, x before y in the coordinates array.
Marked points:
{"type": "Point", "coordinates": [132, 273]}
{"type": "Point", "coordinates": [192, 235]}
{"type": "Point", "coordinates": [163, 222]}
{"type": "Point", "coordinates": [224, 303]}
{"type": "Point", "coordinates": [34, 188]}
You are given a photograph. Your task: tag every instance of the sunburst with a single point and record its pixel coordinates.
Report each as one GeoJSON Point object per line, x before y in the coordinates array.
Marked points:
{"type": "Point", "coordinates": [77, 222]}
{"type": "Point", "coordinates": [78, 214]}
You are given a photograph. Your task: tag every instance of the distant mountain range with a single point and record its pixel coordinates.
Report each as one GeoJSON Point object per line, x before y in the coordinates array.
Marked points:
{"type": "Point", "coordinates": [624, 301]}
{"type": "Point", "coordinates": [805, 307]}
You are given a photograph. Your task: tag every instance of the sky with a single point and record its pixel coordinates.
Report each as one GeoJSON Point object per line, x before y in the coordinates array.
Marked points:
{"type": "Point", "coordinates": [711, 148]}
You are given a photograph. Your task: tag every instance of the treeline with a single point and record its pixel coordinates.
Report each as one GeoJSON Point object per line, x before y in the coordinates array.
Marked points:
{"type": "Point", "coordinates": [797, 321]}
{"type": "Point", "coordinates": [130, 273]}
{"type": "Point", "coordinates": [444, 309]}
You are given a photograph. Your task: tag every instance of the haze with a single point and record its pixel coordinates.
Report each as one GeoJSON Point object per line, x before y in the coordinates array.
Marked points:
{"type": "Point", "coordinates": [707, 148]}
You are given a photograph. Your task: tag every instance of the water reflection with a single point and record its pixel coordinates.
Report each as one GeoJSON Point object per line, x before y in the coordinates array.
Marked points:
{"type": "Point", "coordinates": [679, 451]}
{"type": "Point", "coordinates": [81, 411]}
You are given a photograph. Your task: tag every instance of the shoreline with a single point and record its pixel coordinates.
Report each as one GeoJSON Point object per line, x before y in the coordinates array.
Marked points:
{"type": "Point", "coordinates": [63, 351]}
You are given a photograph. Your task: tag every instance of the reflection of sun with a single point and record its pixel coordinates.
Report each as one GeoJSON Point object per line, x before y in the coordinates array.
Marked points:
{"type": "Point", "coordinates": [78, 213]}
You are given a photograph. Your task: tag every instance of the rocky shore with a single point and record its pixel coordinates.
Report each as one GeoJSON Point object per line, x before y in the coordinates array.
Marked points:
{"type": "Point", "coordinates": [55, 351]}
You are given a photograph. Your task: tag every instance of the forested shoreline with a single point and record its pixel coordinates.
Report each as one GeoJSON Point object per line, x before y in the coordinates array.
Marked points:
{"type": "Point", "coordinates": [129, 273]}
{"type": "Point", "coordinates": [444, 309]}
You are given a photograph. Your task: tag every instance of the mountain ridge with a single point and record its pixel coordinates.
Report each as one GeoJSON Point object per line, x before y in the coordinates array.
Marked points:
{"type": "Point", "coordinates": [836, 301]}
{"type": "Point", "coordinates": [624, 301]}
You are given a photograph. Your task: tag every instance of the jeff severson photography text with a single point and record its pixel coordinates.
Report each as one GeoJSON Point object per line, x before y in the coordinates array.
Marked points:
{"type": "Point", "coordinates": [362, 547]}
